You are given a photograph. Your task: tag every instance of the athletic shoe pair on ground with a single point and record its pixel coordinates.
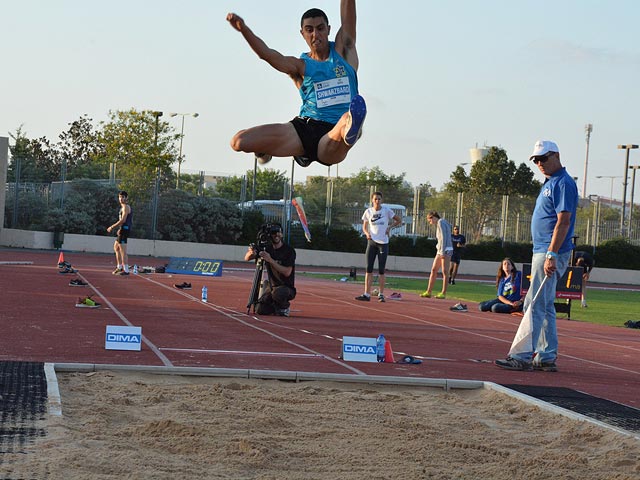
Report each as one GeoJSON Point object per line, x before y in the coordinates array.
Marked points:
{"type": "Point", "coordinates": [87, 302]}
{"type": "Point", "coordinates": [65, 267]}
{"type": "Point", "coordinates": [459, 307]}
{"type": "Point", "coordinates": [120, 271]}
{"type": "Point", "coordinates": [367, 298]}
{"type": "Point", "coordinates": [511, 363]}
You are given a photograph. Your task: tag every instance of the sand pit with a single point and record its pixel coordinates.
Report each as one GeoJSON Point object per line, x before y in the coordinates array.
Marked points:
{"type": "Point", "coordinates": [143, 426]}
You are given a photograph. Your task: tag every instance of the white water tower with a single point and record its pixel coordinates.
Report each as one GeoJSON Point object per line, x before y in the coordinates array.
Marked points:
{"type": "Point", "coordinates": [478, 153]}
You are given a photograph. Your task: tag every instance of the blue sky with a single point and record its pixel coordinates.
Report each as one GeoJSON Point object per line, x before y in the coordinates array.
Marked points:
{"type": "Point", "coordinates": [439, 77]}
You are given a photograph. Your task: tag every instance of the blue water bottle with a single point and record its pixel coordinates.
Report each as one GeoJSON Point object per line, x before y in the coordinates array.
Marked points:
{"type": "Point", "coordinates": [204, 293]}
{"type": "Point", "coordinates": [135, 269]}
{"type": "Point", "coordinates": [381, 343]}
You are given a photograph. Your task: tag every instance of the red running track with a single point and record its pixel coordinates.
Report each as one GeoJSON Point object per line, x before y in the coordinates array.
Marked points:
{"type": "Point", "coordinates": [41, 323]}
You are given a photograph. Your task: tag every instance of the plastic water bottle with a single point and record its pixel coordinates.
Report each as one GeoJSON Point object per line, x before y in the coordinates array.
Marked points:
{"type": "Point", "coordinates": [381, 343]}
{"type": "Point", "coordinates": [204, 293]}
{"type": "Point", "coordinates": [135, 269]}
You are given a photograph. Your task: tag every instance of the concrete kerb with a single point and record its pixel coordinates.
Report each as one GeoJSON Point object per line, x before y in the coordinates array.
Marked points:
{"type": "Point", "coordinates": [55, 404]}
{"type": "Point", "coordinates": [445, 384]}
{"type": "Point", "coordinates": [53, 392]}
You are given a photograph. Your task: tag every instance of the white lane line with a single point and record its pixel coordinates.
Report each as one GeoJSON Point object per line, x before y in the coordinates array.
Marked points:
{"type": "Point", "coordinates": [126, 321]}
{"type": "Point", "coordinates": [241, 352]}
{"type": "Point", "coordinates": [236, 317]}
{"type": "Point", "coordinates": [490, 337]}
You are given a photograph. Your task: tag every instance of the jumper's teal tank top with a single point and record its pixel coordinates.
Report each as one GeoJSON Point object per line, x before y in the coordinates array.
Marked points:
{"type": "Point", "coordinates": [328, 87]}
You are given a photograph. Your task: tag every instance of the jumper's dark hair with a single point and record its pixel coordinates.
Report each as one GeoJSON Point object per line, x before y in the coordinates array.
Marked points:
{"type": "Point", "coordinates": [123, 193]}
{"type": "Point", "coordinates": [433, 214]}
{"type": "Point", "coordinates": [313, 13]}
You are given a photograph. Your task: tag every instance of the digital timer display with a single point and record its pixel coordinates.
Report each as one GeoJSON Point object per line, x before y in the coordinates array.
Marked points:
{"type": "Point", "coordinates": [568, 287]}
{"type": "Point", "coordinates": [195, 266]}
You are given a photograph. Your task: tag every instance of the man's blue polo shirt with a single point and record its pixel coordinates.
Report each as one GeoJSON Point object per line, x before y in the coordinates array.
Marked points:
{"type": "Point", "coordinates": [559, 193]}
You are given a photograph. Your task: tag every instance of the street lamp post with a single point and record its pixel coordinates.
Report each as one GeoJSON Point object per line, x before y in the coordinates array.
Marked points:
{"type": "Point", "coordinates": [588, 128]}
{"type": "Point", "coordinates": [460, 198]}
{"type": "Point", "coordinates": [633, 187]}
{"type": "Point", "coordinates": [612, 177]}
{"type": "Point", "coordinates": [624, 183]}
{"type": "Point", "coordinates": [156, 190]}
{"type": "Point", "coordinates": [194, 115]}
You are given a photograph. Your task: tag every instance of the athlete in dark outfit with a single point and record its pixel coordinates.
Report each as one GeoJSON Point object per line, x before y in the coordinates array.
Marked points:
{"type": "Point", "coordinates": [123, 226]}
{"type": "Point", "coordinates": [280, 260]}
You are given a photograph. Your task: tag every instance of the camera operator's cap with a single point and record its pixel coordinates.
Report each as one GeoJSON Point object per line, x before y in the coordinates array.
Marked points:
{"type": "Point", "coordinates": [275, 228]}
{"type": "Point", "coordinates": [542, 147]}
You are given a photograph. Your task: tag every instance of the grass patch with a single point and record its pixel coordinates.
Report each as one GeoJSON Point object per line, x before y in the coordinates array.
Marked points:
{"type": "Point", "coordinates": [606, 307]}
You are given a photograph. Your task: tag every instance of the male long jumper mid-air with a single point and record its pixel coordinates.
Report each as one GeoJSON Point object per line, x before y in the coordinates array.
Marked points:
{"type": "Point", "coordinates": [332, 112]}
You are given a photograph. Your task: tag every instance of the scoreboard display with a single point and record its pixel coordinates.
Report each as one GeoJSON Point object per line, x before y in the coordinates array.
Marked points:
{"type": "Point", "coordinates": [568, 287]}
{"type": "Point", "coordinates": [195, 266]}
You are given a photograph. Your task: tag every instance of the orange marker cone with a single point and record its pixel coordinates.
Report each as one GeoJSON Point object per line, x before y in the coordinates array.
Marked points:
{"type": "Point", "coordinates": [388, 353]}
{"type": "Point", "coordinates": [61, 258]}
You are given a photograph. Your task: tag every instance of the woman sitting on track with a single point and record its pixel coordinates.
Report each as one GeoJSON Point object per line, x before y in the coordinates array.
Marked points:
{"type": "Point", "coordinates": [508, 283]}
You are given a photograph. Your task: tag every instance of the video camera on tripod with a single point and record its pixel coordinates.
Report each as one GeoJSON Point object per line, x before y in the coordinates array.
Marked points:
{"type": "Point", "coordinates": [263, 240]}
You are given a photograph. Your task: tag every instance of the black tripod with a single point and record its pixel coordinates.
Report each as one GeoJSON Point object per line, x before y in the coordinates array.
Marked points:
{"type": "Point", "coordinates": [255, 288]}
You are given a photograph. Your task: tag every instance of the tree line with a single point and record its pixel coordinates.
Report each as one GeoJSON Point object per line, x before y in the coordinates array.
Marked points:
{"type": "Point", "coordinates": [135, 148]}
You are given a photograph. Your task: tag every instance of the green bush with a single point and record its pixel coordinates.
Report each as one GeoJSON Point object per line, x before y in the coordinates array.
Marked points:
{"type": "Point", "coordinates": [175, 219]}
{"type": "Point", "coordinates": [338, 240]}
{"type": "Point", "coordinates": [31, 212]}
{"type": "Point", "coordinates": [616, 253]}
{"type": "Point", "coordinates": [424, 247]}
{"type": "Point", "coordinates": [345, 240]}
{"type": "Point", "coordinates": [402, 246]}
{"type": "Point", "coordinates": [518, 252]}
{"type": "Point", "coordinates": [252, 220]}
{"type": "Point", "coordinates": [89, 208]}
{"type": "Point", "coordinates": [489, 250]}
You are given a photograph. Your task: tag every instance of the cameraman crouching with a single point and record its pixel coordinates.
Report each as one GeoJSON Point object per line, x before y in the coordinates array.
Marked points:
{"type": "Point", "coordinates": [280, 260]}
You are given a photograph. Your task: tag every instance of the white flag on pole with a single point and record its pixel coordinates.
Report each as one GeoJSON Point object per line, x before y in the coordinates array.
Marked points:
{"type": "Point", "coordinates": [523, 341]}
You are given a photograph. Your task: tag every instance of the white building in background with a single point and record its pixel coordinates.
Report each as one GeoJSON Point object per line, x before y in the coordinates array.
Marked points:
{"type": "Point", "coordinates": [478, 153]}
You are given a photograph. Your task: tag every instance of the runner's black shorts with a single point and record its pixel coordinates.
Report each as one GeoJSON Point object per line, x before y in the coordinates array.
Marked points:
{"type": "Point", "coordinates": [123, 235]}
{"type": "Point", "coordinates": [310, 132]}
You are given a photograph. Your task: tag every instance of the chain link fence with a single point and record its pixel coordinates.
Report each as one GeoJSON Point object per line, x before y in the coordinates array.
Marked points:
{"type": "Point", "coordinates": [506, 218]}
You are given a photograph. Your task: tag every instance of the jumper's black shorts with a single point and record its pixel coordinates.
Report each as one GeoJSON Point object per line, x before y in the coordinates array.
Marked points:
{"type": "Point", "coordinates": [310, 132]}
